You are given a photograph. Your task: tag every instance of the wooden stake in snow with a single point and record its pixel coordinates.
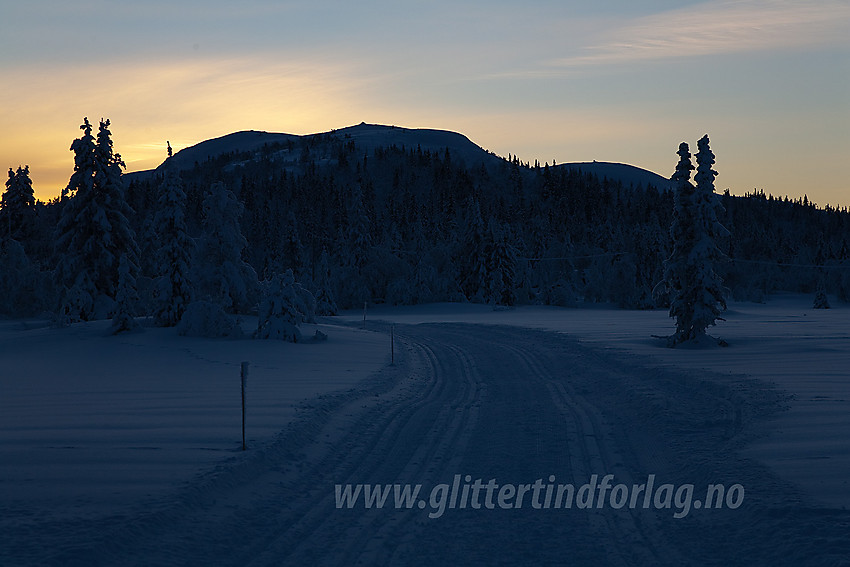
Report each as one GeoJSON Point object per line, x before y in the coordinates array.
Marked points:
{"type": "Point", "coordinates": [392, 345]}
{"type": "Point", "coordinates": [364, 314]}
{"type": "Point", "coordinates": [244, 380]}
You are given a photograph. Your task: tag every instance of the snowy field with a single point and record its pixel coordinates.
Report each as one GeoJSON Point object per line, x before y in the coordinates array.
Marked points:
{"type": "Point", "coordinates": [785, 342]}
{"type": "Point", "coordinates": [91, 423]}
{"type": "Point", "coordinates": [126, 450]}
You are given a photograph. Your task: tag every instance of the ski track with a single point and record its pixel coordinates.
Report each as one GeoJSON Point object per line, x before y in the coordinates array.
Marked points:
{"type": "Point", "coordinates": [492, 402]}
{"type": "Point", "coordinates": [589, 437]}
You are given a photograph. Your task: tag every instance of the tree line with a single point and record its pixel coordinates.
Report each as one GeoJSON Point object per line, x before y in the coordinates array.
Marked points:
{"type": "Point", "coordinates": [329, 225]}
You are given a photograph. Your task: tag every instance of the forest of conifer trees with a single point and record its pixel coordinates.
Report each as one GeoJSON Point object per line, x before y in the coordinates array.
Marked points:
{"type": "Point", "coordinates": [396, 225]}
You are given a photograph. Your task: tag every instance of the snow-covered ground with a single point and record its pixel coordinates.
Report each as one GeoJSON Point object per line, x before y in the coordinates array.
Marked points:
{"type": "Point", "coordinates": [90, 423]}
{"type": "Point", "coordinates": [126, 450]}
{"type": "Point", "coordinates": [785, 342]}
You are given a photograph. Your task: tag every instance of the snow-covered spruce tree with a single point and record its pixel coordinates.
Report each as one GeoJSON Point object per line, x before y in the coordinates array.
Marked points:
{"type": "Point", "coordinates": [500, 287]}
{"type": "Point", "coordinates": [355, 251]}
{"type": "Point", "coordinates": [293, 250]}
{"type": "Point", "coordinates": [696, 293]}
{"type": "Point", "coordinates": [417, 280]}
{"type": "Point", "coordinates": [323, 283]}
{"type": "Point", "coordinates": [471, 254]}
{"type": "Point", "coordinates": [709, 212]}
{"type": "Point", "coordinates": [359, 229]}
{"type": "Point", "coordinates": [220, 274]}
{"type": "Point", "coordinates": [125, 299]}
{"type": "Point", "coordinates": [71, 273]}
{"type": "Point", "coordinates": [94, 229]}
{"type": "Point", "coordinates": [284, 306]}
{"type": "Point", "coordinates": [121, 239]}
{"type": "Point", "coordinates": [287, 251]}
{"type": "Point", "coordinates": [173, 290]}
{"type": "Point", "coordinates": [17, 208]}
{"type": "Point", "coordinates": [21, 284]}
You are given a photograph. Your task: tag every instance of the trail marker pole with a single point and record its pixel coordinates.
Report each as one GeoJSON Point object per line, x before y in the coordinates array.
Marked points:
{"type": "Point", "coordinates": [364, 314]}
{"type": "Point", "coordinates": [244, 380]}
{"type": "Point", "coordinates": [392, 345]}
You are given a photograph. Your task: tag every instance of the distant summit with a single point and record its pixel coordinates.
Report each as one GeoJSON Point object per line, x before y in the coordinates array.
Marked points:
{"type": "Point", "coordinates": [367, 137]}
{"type": "Point", "coordinates": [371, 136]}
{"type": "Point", "coordinates": [286, 148]}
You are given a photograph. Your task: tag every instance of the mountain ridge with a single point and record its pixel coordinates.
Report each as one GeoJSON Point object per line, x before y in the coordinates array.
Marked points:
{"type": "Point", "coordinates": [368, 137]}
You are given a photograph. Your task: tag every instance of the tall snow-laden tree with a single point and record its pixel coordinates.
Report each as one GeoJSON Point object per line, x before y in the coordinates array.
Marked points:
{"type": "Point", "coordinates": [709, 212]}
{"type": "Point", "coordinates": [17, 208]}
{"type": "Point", "coordinates": [323, 284]}
{"type": "Point", "coordinates": [121, 240]}
{"type": "Point", "coordinates": [359, 229]}
{"type": "Point", "coordinates": [696, 293]}
{"type": "Point", "coordinates": [471, 254]}
{"type": "Point", "coordinates": [221, 275]}
{"type": "Point", "coordinates": [356, 250]}
{"type": "Point", "coordinates": [94, 228]}
{"type": "Point", "coordinates": [293, 250]}
{"type": "Point", "coordinates": [173, 290]}
{"type": "Point", "coordinates": [500, 288]}
{"type": "Point", "coordinates": [287, 252]}
{"type": "Point", "coordinates": [678, 271]}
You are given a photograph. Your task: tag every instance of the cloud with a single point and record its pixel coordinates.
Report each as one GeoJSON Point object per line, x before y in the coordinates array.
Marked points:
{"type": "Point", "coordinates": [722, 27]}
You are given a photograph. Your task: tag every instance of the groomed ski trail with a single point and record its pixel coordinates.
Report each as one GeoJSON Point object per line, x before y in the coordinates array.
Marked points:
{"type": "Point", "coordinates": [489, 402]}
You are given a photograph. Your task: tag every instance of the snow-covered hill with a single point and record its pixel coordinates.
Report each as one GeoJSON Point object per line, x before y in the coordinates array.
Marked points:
{"type": "Point", "coordinates": [629, 175]}
{"type": "Point", "coordinates": [369, 137]}
{"type": "Point", "coordinates": [287, 148]}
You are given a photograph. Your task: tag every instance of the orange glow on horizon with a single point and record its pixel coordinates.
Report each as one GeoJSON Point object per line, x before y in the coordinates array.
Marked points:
{"type": "Point", "coordinates": [189, 101]}
{"type": "Point", "coordinates": [150, 103]}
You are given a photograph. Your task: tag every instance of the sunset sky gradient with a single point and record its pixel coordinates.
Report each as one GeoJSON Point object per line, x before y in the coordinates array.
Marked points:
{"type": "Point", "coordinates": [610, 80]}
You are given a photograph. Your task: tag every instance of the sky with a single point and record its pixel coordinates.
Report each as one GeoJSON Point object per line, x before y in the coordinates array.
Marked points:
{"type": "Point", "coordinates": [564, 81]}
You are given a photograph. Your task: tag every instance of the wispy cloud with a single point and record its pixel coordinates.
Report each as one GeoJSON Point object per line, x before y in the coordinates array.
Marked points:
{"type": "Point", "coordinates": [721, 27]}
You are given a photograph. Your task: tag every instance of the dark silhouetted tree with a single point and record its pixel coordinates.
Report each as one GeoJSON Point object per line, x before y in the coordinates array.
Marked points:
{"type": "Point", "coordinates": [17, 208]}
{"type": "Point", "coordinates": [221, 275]}
{"type": "Point", "coordinates": [94, 228]}
{"type": "Point", "coordinates": [696, 293]}
{"type": "Point", "coordinates": [173, 291]}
